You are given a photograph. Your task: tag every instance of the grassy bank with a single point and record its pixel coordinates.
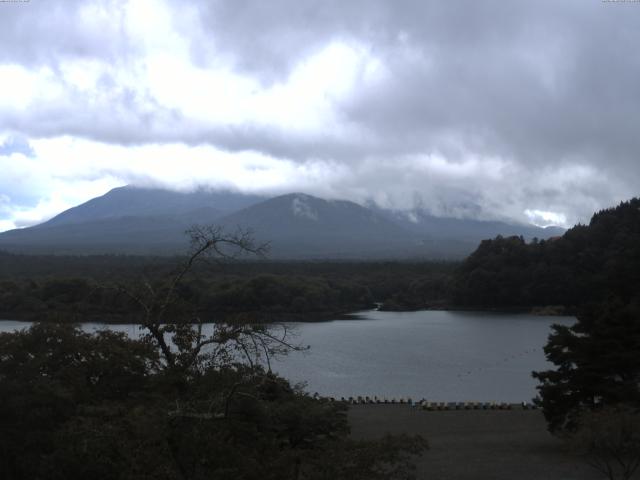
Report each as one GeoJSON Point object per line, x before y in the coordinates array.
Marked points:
{"type": "Point", "coordinates": [476, 444]}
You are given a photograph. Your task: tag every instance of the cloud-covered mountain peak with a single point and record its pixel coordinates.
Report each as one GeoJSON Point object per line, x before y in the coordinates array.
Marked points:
{"type": "Point", "coordinates": [301, 207]}
{"type": "Point", "coordinates": [296, 225]}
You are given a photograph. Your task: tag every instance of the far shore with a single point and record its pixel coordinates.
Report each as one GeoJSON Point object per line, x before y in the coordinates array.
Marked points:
{"type": "Point", "coordinates": [541, 310]}
{"type": "Point", "coordinates": [278, 317]}
{"type": "Point", "coordinates": [132, 319]}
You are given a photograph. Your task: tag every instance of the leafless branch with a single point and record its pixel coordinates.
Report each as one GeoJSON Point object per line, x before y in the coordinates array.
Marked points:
{"type": "Point", "coordinates": [185, 346]}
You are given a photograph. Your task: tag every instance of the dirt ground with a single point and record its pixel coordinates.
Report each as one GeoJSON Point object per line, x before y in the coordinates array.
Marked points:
{"type": "Point", "coordinates": [476, 444]}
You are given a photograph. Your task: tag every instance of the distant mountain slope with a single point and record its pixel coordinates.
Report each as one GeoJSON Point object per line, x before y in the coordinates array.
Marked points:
{"type": "Point", "coordinates": [132, 201]}
{"type": "Point", "coordinates": [298, 226]}
{"type": "Point", "coordinates": [162, 234]}
{"type": "Point", "coordinates": [127, 220]}
{"type": "Point", "coordinates": [302, 225]}
{"type": "Point", "coordinates": [465, 229]}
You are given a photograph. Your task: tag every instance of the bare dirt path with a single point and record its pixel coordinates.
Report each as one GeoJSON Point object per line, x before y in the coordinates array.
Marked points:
{"type": "Point", "coordinates": [476, 444]}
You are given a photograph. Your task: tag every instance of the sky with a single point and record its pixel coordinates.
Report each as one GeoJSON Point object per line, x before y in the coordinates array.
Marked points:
{"type": "Point", "coordinates": [525, 111]}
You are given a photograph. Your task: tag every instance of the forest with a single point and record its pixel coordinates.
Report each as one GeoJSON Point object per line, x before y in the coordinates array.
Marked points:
{"type": "Point", "coordinates": [589, 263]}
{"type": "Point", "coordinates": [73, 288]}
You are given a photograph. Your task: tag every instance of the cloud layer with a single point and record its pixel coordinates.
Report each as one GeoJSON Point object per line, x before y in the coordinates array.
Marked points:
{"type": "Point", "coordinates": [513, 110]}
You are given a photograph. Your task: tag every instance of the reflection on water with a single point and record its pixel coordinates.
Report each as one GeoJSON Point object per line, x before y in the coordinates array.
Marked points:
{"type": "Point", "coordinates": [441, 356]}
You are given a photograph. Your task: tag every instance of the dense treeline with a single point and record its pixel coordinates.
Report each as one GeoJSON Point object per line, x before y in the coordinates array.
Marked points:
{"type": "Point", "coordinates": [86, 288]}
{"type": "Point", "coordinates": [101, 267]}
{"type": "Point", "coordinates": [588, 263]}
{"type": "Point", "coordinates": [79, 299]}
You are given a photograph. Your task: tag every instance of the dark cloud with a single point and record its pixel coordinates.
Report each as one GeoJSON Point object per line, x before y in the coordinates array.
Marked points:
{"type": "Point", "coordinates": [544, 93]}
{"type": "Point", "coordinates": [536, 81]}
{"type": "Point", "coordinates": [43, 32]}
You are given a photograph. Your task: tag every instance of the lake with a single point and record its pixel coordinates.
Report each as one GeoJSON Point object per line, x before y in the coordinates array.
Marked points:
{"type": "Point", "coordinates": [437, 355]}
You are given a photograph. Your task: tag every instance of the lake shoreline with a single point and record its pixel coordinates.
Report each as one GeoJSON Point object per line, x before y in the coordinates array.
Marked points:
{"type": "Point", "coordinates": [538, 310]}
{"type": "Point", "coordinates": [285, 317]}
{"type": "Point", "coordinates": [128, 319]}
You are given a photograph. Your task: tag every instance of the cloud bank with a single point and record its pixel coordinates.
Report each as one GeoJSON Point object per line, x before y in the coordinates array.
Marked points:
{"type": "Point", "coordinates": [515, 110]}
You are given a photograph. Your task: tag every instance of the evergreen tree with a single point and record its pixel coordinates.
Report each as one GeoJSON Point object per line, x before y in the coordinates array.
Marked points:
{"type": "Point", "coordinates": [598, 364]}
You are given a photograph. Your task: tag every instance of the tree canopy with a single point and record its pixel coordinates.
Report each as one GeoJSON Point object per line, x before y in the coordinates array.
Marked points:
{"type": "Point", "coordinates": [597, 363]}
{"type": "Point", "coordinates": [100, 406]}
{"type": "Point", "coordinates": [588, 263]}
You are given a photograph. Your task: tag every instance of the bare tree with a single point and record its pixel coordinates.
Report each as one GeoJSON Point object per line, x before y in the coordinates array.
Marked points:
{"type": "Point", "coordinates": [179, 333]}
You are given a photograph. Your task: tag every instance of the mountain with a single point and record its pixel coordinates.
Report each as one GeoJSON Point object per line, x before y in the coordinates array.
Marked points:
{"type": "Point", "coordinates": [127, 220]}
{"type": "Point", "coordinates": [132, 201]}
{"type": "Point", "coordinates": [299, 225]}
{"type": "Point", "coordinates": [153, 221]}
{"type": "Point", "coordinates": [465, 229]}
{"type": "Point", "coordinates": [160, 234]}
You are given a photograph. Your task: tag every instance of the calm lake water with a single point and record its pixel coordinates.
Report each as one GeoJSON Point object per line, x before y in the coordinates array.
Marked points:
{"type": "Point", "coordinates": [441, 356]}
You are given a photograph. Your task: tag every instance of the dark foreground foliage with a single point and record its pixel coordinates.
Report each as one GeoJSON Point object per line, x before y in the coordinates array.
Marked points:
{"type": "Point", "coordinates": [102, 406]}
{"type": "Point", "coordinates": [597, 361]}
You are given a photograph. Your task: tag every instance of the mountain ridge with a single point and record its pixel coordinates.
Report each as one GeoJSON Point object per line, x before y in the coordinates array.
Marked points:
{"type": "Point", "coordinates": [297, 226]}
{"type": "Point", "coordinates": [141, 201]}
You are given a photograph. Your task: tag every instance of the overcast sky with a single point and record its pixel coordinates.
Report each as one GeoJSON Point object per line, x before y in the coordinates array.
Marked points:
{"type": "Point", "coordinates": [520, 110]}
